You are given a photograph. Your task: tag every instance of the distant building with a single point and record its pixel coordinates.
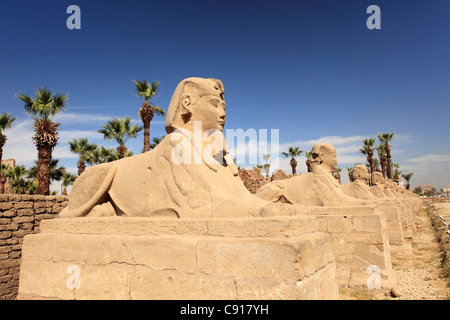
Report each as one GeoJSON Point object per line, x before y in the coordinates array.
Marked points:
{"type": "Point", "coordinates": [426, 188]}
{"type": "Point", "coordinates": [445, 192]}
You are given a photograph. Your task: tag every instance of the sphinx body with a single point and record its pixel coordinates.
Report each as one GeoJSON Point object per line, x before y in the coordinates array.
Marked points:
{"type": "Point", "coordinates": [359, 187]}
{"type": "Point", "coordinates": [178, 178]}
{"type": "Point", "coordinates": [360, 190]}
{"type": "Point", "coordinates": [378, 187]}
{"type": "Point", "coordinates": [315, 188]}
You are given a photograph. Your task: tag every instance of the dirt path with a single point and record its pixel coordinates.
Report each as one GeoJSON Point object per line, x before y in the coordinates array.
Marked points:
{"type": "Point", "coordinates": [419, 276]}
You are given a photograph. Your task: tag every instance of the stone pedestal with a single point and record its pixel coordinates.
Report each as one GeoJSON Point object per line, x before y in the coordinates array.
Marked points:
{"type": "Point", "coordinates": [361, 240]}
{"type": "Point", "coordinates": [142, 258]}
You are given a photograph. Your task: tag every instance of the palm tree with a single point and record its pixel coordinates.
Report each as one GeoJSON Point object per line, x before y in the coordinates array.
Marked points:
{"type": "Point", "coordinates": [101, 155]}
{"type": "Point", "coordinates": [368, 150]}
{"type": "Point", "coordinates": [120, 130]}
{"type": "Point", "coordinates": [56, 173]}
{"type": "Point", "coordinates": [397, 172]}
{"type": "Point", "coordinates": [68, 179]}
{"type": "Point", "coordinates": [156, 141]}
{"type": "Point", "coordinates": [385, 138]}
{"type": "Point", "coordinates": [293, 152]}
{"type": "Point", "coordinates": [266, 166]}
{"type": "Point", "coordinates": [118, 156]}
{"type": "Point", "coordinates": [43, 108]}
{"type": "Point", "coordinates": [81, 147]}
{"type": "Point", "coordinates": [350, 176]}
{"type": "Point", "coordinates": [15, 175]}
{"type": "Point", "coordinates": [308, 160]}
{"type": "Point", "coordinates": [337, 174]}
{"type": "Point", "coordinates": [381, 150]}
{"type": "Point", "coordinates": [147, 91]}
{"type": "Point", "coordinates": [5, 123]}
{"type": "Point", "coordinates": [418, 191]}
{"type": "Point", "coordinates": [376, 164]}
{"type": "Point", "coordinates": [407, 177]}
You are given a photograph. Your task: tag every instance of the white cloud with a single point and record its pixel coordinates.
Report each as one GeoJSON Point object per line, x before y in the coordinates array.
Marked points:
{"type": "Point", "coordinates": [68, 118]}
{"type": "Point", "coordinates": [430, 159]}
{"type": "Point", "coordinates": [19, 145]}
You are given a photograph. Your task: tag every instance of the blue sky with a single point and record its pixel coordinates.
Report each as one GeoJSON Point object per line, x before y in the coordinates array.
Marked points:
{"type": "Point", "coordinates": [311, 69]}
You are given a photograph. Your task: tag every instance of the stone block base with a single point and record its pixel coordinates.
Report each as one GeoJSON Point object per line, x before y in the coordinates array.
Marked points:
{"type": "Point", "coordinates": [362, 248]}
{"type": "Point", "coordinates": [141, 258]}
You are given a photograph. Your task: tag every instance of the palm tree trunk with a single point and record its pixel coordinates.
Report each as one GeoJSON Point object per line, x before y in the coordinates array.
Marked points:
{"type": "Point", "coordinates": [308, 165]}
{"type": "Point", "coordinates": [81, 167]}
{"type": "Point", "coordinates": [294, 166]}
{"type": "Point", "coordinates": [121, 149]}
{"type": "Point", "coordinates": [388, 162]}
{"type": "Point", "coordinates": [146, 113]}
{"type": "Point", "coordinates": [338, 178]}
{"type": "Point", "coordinates": [2, 143]}
{"type": "Point", "coordinates": [43, 170]}
{"type": "Point", "coordinates": [146, 136]}
{"type": "Point", "coordinates": [267, 169]}
{"type": "Point", "coordinates": [383, 165]}
{"type": "Point", "coordinates": [370, 161]}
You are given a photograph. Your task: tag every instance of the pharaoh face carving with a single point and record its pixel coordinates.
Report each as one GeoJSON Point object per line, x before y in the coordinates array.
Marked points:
{"type": "Point", "coordinates": [197, 100]}
{"type": "Point", "coordinates": [361, 173]}
{"type": "Point", "coordinates": [324, 155]}
{"type": "Point", "coordinates": [377, 179]}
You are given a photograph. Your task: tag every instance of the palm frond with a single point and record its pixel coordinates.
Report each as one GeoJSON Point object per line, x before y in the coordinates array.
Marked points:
{"type": "Point", "coordinates": [6, 121]}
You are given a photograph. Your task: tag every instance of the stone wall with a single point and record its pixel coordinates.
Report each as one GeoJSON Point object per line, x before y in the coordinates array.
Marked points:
{"type": "Point", "coordinates": [280, 175]}
{"type": "Point", "coordinates": [20, 215]}
{"type": "Point", "coordinates": [253, 179]}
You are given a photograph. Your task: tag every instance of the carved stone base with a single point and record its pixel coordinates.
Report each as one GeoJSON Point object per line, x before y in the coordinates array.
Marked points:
{"type": "Point", "coordinates": [140, 258]}
{"type": "Point", "coordinates": [362, 248]}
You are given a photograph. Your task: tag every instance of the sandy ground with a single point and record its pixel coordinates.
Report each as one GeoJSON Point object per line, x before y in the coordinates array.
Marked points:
{"type": "Point", "coordinates": [443, 209]}
{"type": "Point", "coordinates": [419, 276]}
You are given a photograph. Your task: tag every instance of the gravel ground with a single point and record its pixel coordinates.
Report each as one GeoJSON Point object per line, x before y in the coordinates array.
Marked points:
{"type": "Point", "coordinates": [419, 276]}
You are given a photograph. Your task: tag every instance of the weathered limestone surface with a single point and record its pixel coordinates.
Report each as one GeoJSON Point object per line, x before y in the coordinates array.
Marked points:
{"type": "Point", "coordinates": [141, 258]}
{"type": "Point", "coordinates": [361, 241]}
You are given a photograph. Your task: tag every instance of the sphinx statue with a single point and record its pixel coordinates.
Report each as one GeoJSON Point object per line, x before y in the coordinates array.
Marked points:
{"type": "Point", "coordinates": [315, 188]}
{"type": "Point", "coordinates": [378, 187]}
{"type": "Point", "coordinates": [359, 187]}
{"type": "Point", "coordinates": [189, 174]}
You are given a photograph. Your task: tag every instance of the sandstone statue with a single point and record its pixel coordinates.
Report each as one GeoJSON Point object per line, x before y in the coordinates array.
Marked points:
{"type": "Point", "coordinates": [189, 174]}
{"type": "Point", "coordinates": [378, 187]}
{"type": "Point", "coordinates": [359, 187]}
{"type": "Point", "coordinates": [315, 188]}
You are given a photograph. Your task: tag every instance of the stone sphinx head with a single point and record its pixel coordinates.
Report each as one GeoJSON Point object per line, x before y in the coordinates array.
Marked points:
{"type": "Point", "coordinates": [378, 179]}
{"type": "Point", "coordinates": [323, 155]}
{"type": "Point", "coordinates": [195, 100]}
{"type": "Point", "coordinates": [361, 173]}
